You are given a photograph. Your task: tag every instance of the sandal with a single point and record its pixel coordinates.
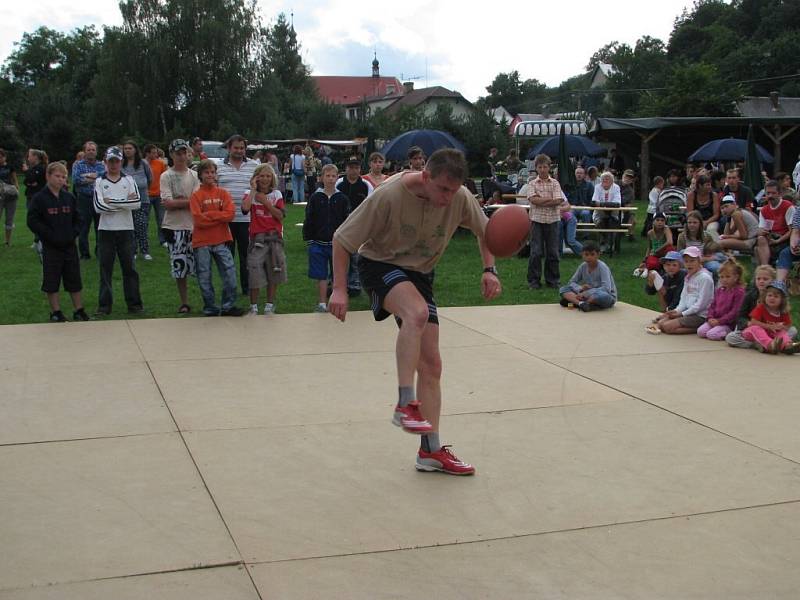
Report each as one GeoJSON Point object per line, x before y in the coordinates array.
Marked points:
{"type": "Point", "coordinates": [653, 329]}
{"type": "Point", "coordinates": [185, 308]}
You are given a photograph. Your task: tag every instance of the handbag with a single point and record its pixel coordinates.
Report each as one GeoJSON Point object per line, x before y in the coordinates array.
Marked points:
{"type": "Point", "coordinates": [295, 171]}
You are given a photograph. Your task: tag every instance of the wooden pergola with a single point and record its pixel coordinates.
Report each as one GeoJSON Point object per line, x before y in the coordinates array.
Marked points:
{"type": "Point", "coordinates": [670, 140]}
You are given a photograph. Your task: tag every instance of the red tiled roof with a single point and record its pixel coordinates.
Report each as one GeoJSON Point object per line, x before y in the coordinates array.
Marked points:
{"type": "Point", "coordinates": [347, 90]}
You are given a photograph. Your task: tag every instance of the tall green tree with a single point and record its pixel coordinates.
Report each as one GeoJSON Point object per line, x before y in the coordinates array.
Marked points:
{"type": "Point", "coordinates": [47, 87]}
{"type": "Point", "coordinates": [510, 91]}
{"type": "Point", "coordinates": [692, 90]}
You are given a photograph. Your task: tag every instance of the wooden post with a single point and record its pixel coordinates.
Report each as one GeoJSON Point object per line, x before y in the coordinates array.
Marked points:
{"type": "Point", "coordinates": [645, 160]}
{"type": "Point", "coordinates": [776, 166]}
{"type": "Point", "coordinates": [777, 140]}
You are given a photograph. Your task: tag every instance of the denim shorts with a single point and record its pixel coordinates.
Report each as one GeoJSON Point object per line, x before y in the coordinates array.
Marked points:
{"type": "Point", "coordinates": [319, 261]}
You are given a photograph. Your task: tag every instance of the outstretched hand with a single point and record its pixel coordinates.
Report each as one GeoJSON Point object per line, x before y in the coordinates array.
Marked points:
{"type": "Point", "coordinates": [337, 304]}
{"type": "Point", "coordinates": [490, 286]}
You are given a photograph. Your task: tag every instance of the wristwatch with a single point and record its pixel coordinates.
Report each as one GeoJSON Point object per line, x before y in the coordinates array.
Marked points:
{"type": "Point", "coordinates": [492, 270]}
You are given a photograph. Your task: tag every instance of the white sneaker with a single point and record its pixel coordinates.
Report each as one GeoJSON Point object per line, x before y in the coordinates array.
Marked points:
{"type": "Point", "coordinates": [568, 250]}
{"type": "Point", "coordinates": [165, 245]}
{"type": "Point", "coordinates": [253, 309]}
{"type": "Point", "coordinates": [321, 308]}
{"type": "Point", "coordinates": [643, 274]}
{"type": "Point", "coordinates": [148, 257]}
{"type": "Point", "coordinates": [637, 272]}
{"type": "Point", "coordinates": [269, 309]}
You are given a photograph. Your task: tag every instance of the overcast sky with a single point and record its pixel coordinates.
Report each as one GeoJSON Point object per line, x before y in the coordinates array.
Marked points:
{"type": "Point", "coordinates": [450, 43]}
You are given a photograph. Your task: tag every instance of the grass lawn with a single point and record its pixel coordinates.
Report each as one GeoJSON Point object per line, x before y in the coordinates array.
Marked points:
{"type": "Point", "coordinates": [457, 279]}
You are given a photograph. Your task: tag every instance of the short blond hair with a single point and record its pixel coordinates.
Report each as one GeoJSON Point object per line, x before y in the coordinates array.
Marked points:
{"type": "Point", "coordinates": [767, 270]}
{"type": "Point", "coordinates": [56, 166]}
{"type": "Point", "coordinates": [327, 168]}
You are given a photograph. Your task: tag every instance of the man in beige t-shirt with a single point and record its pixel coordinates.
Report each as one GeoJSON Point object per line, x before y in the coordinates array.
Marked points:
{"type": "Point", "coordinates": [400, 232]}
{"type": "Point", "coordinates": [178, 183]}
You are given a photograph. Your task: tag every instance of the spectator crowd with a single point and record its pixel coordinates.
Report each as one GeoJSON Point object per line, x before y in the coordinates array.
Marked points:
{"type": "Point", "coordinates": [699, 223]}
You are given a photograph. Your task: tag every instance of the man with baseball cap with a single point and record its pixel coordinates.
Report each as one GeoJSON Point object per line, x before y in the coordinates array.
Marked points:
{"type": "Point", "coordinates": [741, 226]}
{"type": "Point", "coordinates": [178, 183]}
{"type": "Point", "coordinates": [116, 196]}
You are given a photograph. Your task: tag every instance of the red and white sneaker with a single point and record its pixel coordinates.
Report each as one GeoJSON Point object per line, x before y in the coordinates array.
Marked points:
{"type": "Point", "coordinates": [443, 460]}
{"type": "Point", "coordinates": [410, 419]}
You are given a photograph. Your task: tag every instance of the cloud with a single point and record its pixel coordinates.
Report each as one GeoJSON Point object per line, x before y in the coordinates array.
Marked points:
{"type": "Point", "coordinates": [466, 45]}
{"type": "Point", "coordinates": [17, 19]}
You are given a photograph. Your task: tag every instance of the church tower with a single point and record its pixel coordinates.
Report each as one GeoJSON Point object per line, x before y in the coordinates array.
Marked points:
{"type": "Point", "coordinates": [376, 72]}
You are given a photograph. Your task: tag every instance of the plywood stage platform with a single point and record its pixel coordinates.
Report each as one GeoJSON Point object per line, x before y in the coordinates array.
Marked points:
{"type": "Point", "coordinates": [253, 458]}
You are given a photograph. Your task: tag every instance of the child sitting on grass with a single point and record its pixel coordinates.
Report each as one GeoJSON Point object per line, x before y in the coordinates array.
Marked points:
{"type": "Point", "coordinates": [659, 242]}
{"type": "Point", "coordinates": [592, 286]}
{"type": "Point", "coordinates": [769, 321]}
{"type": "Point", "coordinates": [762, 276]}
{"type": "Point", "coordinates": [668, 283]}
{"type": "Point", "coordinates": [726, 303]}
{"type": "Point", "coordinates": [696, 296]}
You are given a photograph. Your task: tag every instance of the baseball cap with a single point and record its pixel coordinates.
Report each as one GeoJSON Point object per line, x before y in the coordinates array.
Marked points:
{"type": "Point", "coordinates": [178, 144]}
{"type": "Point", "coordinates": [692, 251]}
{"type": "Point", "coordinates": [629, 173]}
{"type": "Point", "coordinates": [114, 152]}
{"type": "Point", "coordinates": [353, 160]}
{"type": "Point", "coordinates": [780, 286]}
{"type": "Point", "coordinates": [659, 215]}
{"type": "Point", "coordinates": [672, 255]}
{"type": "Point", "coordinates": [728, 199]}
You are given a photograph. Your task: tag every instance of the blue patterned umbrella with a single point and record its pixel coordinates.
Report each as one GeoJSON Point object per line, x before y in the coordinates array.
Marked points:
{"type": "Point", "coordinates": [728, 149]}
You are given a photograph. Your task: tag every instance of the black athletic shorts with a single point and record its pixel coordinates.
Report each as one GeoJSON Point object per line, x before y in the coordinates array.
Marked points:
{"type": "Point", "coordinates": [377, 278]}
{"type": "Point", "coordinates": [58, 264]}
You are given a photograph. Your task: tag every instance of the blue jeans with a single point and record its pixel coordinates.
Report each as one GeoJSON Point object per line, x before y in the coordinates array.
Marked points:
{"type": "Point", "coordinates": [786, 258]}
{"type": "Point", "coordinates": [227, 271]}
{"type": "Point", "coordinates": [598, 296]}
{"type": "Point", "coordinates": [89, 217]}
{"type": "Point", "coordinates": [298, 188]}
{"type": "Point", "coordinates": [353, 281]}
{"type": "Point", "coordinates": [583, 216]}
{"type": "Point", "coordinates": [566, 232]}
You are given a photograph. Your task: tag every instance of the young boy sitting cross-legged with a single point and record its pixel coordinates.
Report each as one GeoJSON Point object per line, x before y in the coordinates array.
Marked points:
{"type": "Point", "coordinates": [592, 286]}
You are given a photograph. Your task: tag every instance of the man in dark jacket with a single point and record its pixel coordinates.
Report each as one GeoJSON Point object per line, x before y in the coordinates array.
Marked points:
{"type": "Point", "coordinates": [581, 195]}
{"type": "Point", "coordinates": [54, 217]}
{"type": "Point", "coordinates": [356, 189]}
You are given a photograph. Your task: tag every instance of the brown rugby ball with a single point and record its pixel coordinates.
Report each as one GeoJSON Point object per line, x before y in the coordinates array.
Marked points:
{"type": "Point", "coordinates": [507, 230]}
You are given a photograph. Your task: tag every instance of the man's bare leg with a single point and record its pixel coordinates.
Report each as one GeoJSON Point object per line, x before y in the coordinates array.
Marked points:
{"type": "Point", "coordinates": [429, 376]}
{"type": "Point", "coordinates": [432, 456]}
{"type": "Point", "coordinates": [183, 290]}
{"type": "Point", "coordinates": [407, 304]}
